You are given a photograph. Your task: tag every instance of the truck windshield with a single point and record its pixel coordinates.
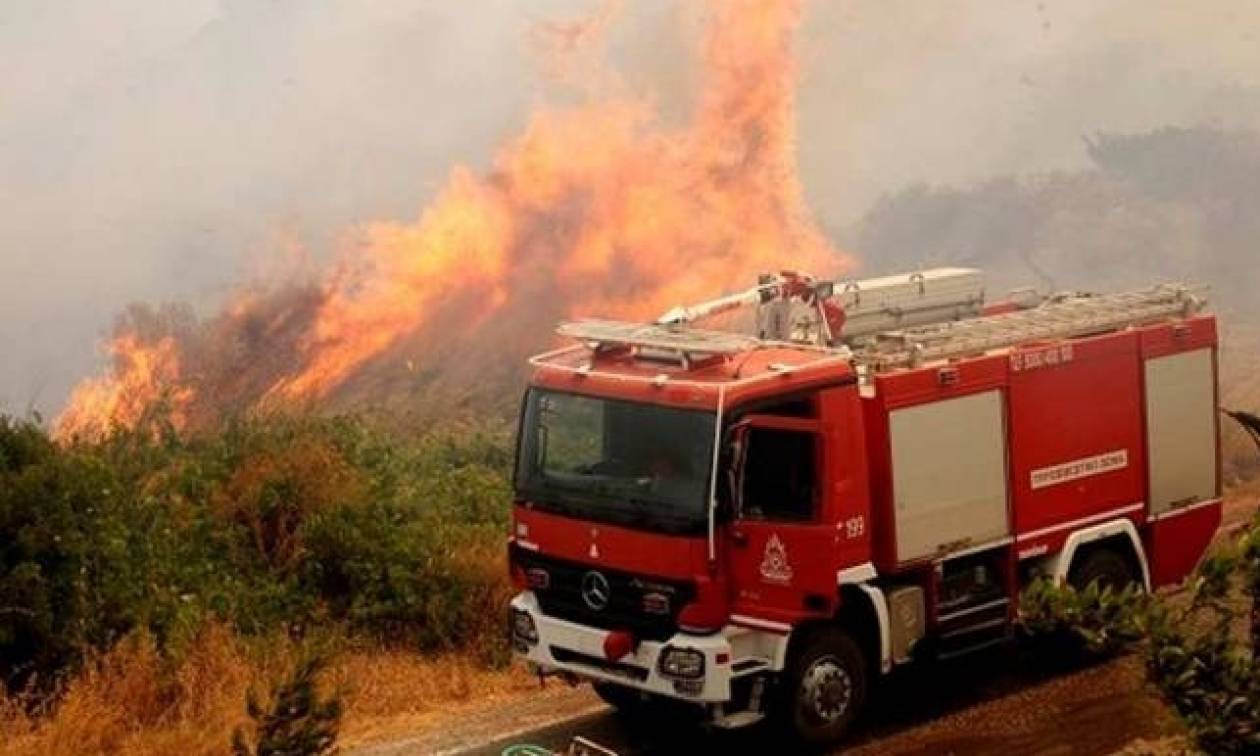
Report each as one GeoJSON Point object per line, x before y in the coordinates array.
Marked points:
{"type": "Point", "coordinates": [603, 459]}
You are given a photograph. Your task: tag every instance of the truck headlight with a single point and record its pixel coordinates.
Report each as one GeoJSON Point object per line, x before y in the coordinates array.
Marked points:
{"type": "Point", "coordinates": [686, 663]}
{"type": "Point", "coordinates": [524, 631]}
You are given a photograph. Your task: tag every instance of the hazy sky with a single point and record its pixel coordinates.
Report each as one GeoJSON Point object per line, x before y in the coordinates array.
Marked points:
{"type": "Point", "coordinates": [160, 150]}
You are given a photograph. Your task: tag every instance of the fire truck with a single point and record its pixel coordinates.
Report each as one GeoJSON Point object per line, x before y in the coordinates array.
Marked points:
{"type": "Point", "coordinates": [764, 521]}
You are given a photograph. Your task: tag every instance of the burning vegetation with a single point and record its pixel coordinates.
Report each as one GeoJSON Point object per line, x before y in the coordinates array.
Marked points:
{"type": "Point", "coordinates": [595, 208]}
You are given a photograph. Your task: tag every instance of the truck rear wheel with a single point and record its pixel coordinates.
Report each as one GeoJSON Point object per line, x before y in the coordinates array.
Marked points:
{"type": "Point", "coordinates": [825, 687]}
{"type": "Point", "coordinates": [1106, 566]}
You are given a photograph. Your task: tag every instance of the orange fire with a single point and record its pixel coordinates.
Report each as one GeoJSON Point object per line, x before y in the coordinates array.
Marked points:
{"type": "Point", "coordinates": [596, 209]}
{"type": "Point", "coordinates": [143, 374]}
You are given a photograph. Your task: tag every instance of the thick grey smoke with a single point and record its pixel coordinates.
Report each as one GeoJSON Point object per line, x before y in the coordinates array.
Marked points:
{"type": "Point", "coordinates": [898, 92]}
{"type": "Point", "coordinates": [154, 151]}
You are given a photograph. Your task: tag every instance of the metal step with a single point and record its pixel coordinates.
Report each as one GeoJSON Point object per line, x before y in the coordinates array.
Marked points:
{"type": "Point", "coordinates": [974, 637]}
{"type": "Point", "coordinates": [977, 628]}
{"type": "Point", "coordinates": [970, 610]}
{"type": "Point", "coordinates": [738, 719]}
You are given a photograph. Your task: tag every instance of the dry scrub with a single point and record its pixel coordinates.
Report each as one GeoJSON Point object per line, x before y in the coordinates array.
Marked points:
{"type": "Point", "coordinates": [133, 701]}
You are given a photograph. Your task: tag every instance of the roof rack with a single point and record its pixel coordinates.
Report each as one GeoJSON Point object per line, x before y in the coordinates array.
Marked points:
{"type": "Point", "coordinates": [605, 334]}
{"type": "Point", "coordinates": [1065, 316]}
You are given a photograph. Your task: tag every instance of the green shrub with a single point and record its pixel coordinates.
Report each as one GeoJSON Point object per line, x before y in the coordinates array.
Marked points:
{"type": "Point", "coordinates": [1202, 650]}
{"type": "Point", "coordinates": [295, 721]}
{"type": "Point", "coordinates": [1102, 619]}
{"type": "Point", "coordinates": [265, 523]}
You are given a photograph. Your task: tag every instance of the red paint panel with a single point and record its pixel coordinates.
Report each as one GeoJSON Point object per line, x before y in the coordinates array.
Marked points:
{"type": "Point", "coordinates": [1175, 544]}
{"type": "Point", "coordinates": [681, 558]}
{"type": "Point", "coordinates": [937, 383]}
{"type": "Point", "coordinates": [879, 463]}
{"type": "Point", "coordinates": [847, 505]}
{"type": "Point", "coordinates": [1183, 336]}
{"type": "Point", "coordinates": [1075, 431]}
{"type": "Point", "coordinates": [753, 376]}
{"type": "Point", "coordinates": [775, 567]}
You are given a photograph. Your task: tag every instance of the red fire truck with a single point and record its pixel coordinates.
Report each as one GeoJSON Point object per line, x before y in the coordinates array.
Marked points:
{"type": "Point", "coordinates": [763, 526]}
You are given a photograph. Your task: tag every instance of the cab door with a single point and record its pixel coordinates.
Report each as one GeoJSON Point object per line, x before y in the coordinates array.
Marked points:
{"type": "Point", "coordinates": [782, 548]}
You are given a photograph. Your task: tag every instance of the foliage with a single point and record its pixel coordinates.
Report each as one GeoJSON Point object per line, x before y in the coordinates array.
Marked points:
{"type": "Point", "coordinates": [1103, 619]}
{"type": "Point", "coordinates": [264, 523]}
{"type": "Point", "coordinates": [1200, 649]}
{"type": "Point", "coordinates": [296, 721]}
{"type": "Point", "coordinates": [1202, 654]}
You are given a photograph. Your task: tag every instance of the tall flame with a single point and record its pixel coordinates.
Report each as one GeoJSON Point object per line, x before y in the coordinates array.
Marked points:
{"type": "Point", "coordinates": [143, 374]}
{"type": "Point", "coordinates": [593, 209]}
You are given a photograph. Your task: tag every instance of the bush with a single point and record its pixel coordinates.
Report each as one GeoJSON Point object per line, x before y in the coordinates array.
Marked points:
{"type": "Point", "coordinates": [1103, 620]}
{"type": "Point", "coordinates": [264, 523]}
{"type": "Point", "coordinates": [295, 721]}
{"type": "Point", "coordinates": [1202, 651]}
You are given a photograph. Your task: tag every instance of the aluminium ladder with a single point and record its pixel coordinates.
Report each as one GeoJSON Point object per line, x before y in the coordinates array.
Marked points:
{"type": "Point", "coordinates": [1068, 316]}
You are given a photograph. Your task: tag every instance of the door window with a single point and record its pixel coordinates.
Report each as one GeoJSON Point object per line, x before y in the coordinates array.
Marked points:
{"type": "Point", "coordinates": [780, 477]}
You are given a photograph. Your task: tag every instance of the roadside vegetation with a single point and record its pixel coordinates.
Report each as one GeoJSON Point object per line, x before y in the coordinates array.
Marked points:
{"type": "Point", "coordinates": [150, 581]}
{"type": "Point", "coordinates": [1201, 647]}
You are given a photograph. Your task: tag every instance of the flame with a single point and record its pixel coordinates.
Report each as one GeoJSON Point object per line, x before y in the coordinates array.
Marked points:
{"type": "Point", "coordinates": [595, 209]}
{"type": "Point", "coordinates": [143, 374]}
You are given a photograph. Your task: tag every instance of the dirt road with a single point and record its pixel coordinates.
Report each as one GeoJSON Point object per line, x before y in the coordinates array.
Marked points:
{"type": "Point", "coordinates": [1006, 702]}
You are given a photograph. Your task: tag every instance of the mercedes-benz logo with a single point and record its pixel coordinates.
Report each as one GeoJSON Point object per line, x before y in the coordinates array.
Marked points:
{"type": "Point", "coordinates": [595, 591]}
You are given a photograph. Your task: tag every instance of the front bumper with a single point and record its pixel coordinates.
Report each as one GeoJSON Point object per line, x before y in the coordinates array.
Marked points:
{"type": "Point", "coordinates": [566, 647]}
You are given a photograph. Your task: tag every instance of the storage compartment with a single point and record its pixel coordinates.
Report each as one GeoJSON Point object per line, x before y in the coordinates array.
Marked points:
{"type": "Point", "coordinates": [969, 582]}
{"type": "Point", "coordinates": [949, 475]}
{"type": "Point", "coordinates": [1181, 427]}
{"type": "Point", "coordinates": [1076, 434]}
{"type": "Point", "coordinates": [907, 620]}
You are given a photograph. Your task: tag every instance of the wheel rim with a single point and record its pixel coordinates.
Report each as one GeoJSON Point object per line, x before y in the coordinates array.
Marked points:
{"type": "Point", "coordinates": [826, 691]}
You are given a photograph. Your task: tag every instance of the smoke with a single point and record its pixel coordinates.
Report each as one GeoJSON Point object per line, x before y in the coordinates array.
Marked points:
{"type": "Point", "coordinates": [598, 206]}
{"type": "Point", "coordinates": [154, 152]}
{"type": "Point", "coordinates": [902, 92]}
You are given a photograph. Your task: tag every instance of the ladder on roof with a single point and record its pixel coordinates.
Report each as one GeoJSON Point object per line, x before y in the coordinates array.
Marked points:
{"type": "Point", "coordinates": [1065, 317]}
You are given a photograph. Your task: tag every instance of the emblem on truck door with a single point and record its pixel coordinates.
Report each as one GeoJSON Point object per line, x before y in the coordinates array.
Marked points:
{"type": "Point", "coordinates": [595, 591]}
{"type": "Point", "coordinates": [774, 563]}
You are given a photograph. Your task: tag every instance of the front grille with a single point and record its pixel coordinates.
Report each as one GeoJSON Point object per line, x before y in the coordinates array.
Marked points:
{"type": "Point", "coordinates": [566, 656]}
{"type": "Point", "coordinates": [562, 598]}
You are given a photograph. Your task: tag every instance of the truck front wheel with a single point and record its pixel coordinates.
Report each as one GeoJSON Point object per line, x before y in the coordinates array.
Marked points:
{"type": "Point", "coordinates": [824, 688]}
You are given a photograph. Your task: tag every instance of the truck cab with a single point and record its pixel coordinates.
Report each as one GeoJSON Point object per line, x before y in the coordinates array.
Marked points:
{"type": "Point", "coordinates": [763, 527]}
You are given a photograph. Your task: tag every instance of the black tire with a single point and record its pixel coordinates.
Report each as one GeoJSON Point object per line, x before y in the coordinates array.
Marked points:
{"type": "Point", "coordinates": [824, 688]}
{"type": "Point", "coordinates": [1103, 564]}
{"type": "Point", "coordinates": [625, 700]}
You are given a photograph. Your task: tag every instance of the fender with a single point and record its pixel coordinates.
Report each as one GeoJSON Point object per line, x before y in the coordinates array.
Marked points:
{"type": "Point", "coordinates": [880, 605]}
{"type": "Point", "coordinates": [1059, 565]}
{"type": "Point", "coordinates": [857, 577]}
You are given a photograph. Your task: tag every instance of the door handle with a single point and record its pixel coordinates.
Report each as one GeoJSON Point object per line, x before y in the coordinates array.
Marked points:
{"type": "Point", "coordinates": [739, 538]}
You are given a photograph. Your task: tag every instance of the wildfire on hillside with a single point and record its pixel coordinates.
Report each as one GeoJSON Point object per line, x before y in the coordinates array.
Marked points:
{"type": "Point", "coordinates": [142, 374]}
{"type": "Point", "coordinates": [595, 209]}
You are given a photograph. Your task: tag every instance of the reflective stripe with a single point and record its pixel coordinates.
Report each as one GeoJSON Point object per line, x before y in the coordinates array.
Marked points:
{"type": "Point", "coordinates": [1082, 521]}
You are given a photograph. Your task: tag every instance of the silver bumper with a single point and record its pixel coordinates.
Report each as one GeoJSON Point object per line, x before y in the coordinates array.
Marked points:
{"type": "Point", "coordinates": [579, 650]}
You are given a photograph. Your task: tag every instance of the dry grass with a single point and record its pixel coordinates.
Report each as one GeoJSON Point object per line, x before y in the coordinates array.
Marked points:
{"type": "Point", "coordinates": [134, 701]}
{"type": "Point", "coordinates": [393, 693]}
